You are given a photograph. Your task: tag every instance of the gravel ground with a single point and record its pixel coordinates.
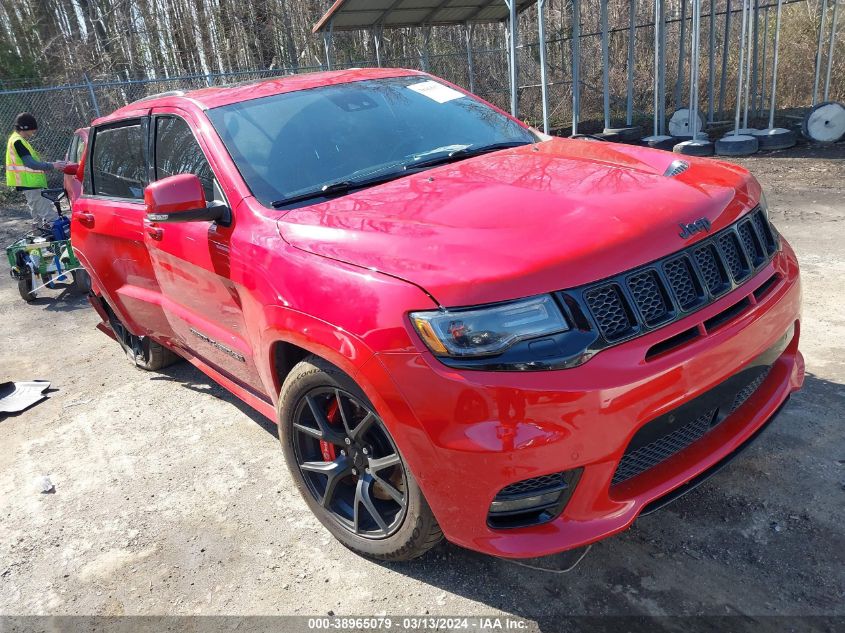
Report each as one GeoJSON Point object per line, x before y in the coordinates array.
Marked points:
{"type": "Point", "coordinates": [171, 497]}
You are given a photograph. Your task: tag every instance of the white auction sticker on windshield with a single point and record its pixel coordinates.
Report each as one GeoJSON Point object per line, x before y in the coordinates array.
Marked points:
{"type": "Point", "coordinates": [436, 91]}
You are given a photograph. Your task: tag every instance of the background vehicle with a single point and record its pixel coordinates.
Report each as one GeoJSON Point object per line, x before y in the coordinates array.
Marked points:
{"type": "Point", "coordinates": [525, 344]}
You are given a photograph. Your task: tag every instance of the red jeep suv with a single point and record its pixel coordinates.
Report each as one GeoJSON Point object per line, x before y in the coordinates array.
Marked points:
{"type": "Point", "coordinates": [462, 328]}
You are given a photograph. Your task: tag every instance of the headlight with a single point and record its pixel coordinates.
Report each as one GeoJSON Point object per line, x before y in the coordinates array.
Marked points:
{"type": "Point", "coordinates": [488, 330]}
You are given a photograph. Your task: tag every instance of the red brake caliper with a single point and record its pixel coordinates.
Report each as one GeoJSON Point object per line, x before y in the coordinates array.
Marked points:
{"type": "Point", "coordinates": [327, 448]}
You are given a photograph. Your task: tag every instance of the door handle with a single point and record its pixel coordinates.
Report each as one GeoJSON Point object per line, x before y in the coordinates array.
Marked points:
{"type": "Point", "coordinates": [155, 232]}
{"type": "Point", "coordinates": [86, 219]}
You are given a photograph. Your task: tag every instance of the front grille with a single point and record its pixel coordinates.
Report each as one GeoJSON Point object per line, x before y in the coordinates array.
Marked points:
{"type": "Point", "coordinates": [712, 269]}
{"type": "Point", "coordinates": [648, 297]}
{"type": "Point", "coordinates": [671, 433]}
{"type": "Point", "coordinates": [683, 282]}
{"type": "Point", "coordinates": [734, 257]}
{"type": "Point", "coordinates": [635, 462]}
{"type": "Point", "coordinates": [745, 394]}
{"type": "Point", "coordinates": [608, 306]}
{"type": "Point", "coordinates": [664, 291]}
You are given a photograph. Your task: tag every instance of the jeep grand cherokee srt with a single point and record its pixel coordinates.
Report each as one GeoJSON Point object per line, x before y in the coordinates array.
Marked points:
{"type": "Point", "coordinates": [462, 328]}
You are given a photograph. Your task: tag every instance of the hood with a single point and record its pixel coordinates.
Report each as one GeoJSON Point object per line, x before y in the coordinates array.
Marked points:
{"type": "Point", "coordinates": [525, 221]}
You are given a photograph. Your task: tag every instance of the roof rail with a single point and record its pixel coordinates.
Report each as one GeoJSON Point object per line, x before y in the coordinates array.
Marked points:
{"type": "Point", "coordinates": [169, 93]}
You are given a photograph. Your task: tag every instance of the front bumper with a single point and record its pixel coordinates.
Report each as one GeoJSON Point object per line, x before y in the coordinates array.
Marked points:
{"type": "Point", "coordinates": [468, 434]}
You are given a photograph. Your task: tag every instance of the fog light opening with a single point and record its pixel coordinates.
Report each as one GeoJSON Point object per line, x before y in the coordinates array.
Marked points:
{"type": "Point", "coordinates": [532, 501]}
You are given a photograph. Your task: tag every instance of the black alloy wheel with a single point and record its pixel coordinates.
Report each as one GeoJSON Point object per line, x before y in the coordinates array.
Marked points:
{"type": "Point", "coordinates": [350, 463]}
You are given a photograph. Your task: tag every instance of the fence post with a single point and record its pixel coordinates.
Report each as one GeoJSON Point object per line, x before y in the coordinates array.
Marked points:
{"type": "Point", "coordinates": [93, 96]}
{"type": "Point", "coordinates": [468, 29]}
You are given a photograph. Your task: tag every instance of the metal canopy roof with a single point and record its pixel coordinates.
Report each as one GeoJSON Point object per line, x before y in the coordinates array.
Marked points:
{"type": "Point", "coordinates": [351, 15]}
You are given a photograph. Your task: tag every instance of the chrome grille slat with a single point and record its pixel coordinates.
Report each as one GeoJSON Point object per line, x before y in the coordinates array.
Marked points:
{"type": "Point", "coordinates": [639, 300]}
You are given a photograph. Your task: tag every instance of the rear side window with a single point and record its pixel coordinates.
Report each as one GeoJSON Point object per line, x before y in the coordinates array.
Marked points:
{"type": "Point", "coordinates": [118, 166]}
{"type": "Point", "coordinates": [178, 152]}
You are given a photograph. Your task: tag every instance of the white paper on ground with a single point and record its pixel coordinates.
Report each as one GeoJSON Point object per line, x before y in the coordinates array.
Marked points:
{"type": "Point", "coordinates": [436, 91]}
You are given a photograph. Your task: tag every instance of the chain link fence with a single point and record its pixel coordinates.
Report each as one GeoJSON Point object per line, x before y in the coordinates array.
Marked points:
{"type": "Point", "coordinates": [60, 110]}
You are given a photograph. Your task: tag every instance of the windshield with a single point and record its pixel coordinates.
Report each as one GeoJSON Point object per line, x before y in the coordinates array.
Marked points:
{"type": "Point", "coordinates": [289, 145]}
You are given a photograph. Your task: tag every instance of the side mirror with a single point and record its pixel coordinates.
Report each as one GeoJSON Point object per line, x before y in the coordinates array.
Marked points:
{"type": "Point", "coordinates": [181, 199]}
{"type": "Point", "coordinates": [70, 169]}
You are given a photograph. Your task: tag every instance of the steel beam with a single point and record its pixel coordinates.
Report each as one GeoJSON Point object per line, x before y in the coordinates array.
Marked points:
{"type": "Point", "coordinates": [544, 77]}
{"type": "Point", "coordinates": [682, 42]}
{"type": "Point", "coordinates": [576, 65]}
{"type": "Point", "coordinates": [741, 66]}
{"type": "Point", "coordinates": [819, 51]}
{"type": "Point", "coordinates": [328, 38]}
{"type": "Point", "coordinates": [468, 32]}
{"type": "Point", "coordinates": [775, 68]}
{"type": "Point", "coordinates": [605, 64]}
{"type": "Point", "coordinates": [711, 63]}
{"type": "Point", "coordinates": [726, 40]}
{"type": "Point", "coordinates": [514, 74]}
{"type": "Point", "coordinates": [831, 49]}
{"type": "Point", "coordinates": [632, 38]}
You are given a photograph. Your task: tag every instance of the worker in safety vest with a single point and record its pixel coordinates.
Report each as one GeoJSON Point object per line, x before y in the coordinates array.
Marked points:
{"type": "Point", "coordinates": [25, 171]}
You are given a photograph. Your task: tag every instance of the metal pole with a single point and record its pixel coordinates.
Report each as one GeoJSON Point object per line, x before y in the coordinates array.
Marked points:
{"type": "Point", "coordinates": [693, 76]}
{"type": "Point", "coordinates": [632, 36]}
{"type": "Point", "coordinates": [711, 66]}
{"type": "Point", "coordinates": [819, 51]}
{"type": "Point", "coordinates": [679, 80]}
{"type": "Point", "coordinates": [725, 42]}
{"type": "Point", "coordinates": [327, 44]}
{"type": "Point", "coordinates": [544, 78]}
{"type": "Point", "coordinates": [605, 63]}
{"type": "Point", "coordinates": [576, 64]}
{"type": "Point", "coordinates": [755, 57]}
{"type": "Point", "coordinates": [765, 59]}
{"type": "Point", "coordinates": [741, 66]}
{"type": "Point", "coordinates": [661, 67]}
{"type": "Point", "coordinates": [658, 25]}
{"type": "Point", "coordinates": [511, 4]}
{"type": "Point", "coordinates": [830, 49]}
{"type": "Point", "coordinates": [775, 69]}
{"type": "Point", "coordinates": [377, 33]}
{"type": "Point", "coordinates": [424, 59]}
{"type": "Point", "coordinates": [747, 69]}
{"type": "Point", "coordinates": [468, 28]}
{"type": "Point", "coordinates": [92, 95]}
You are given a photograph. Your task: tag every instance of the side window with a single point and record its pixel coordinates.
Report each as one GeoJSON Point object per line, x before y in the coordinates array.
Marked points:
{"type": "Point", "coordinates": [177, 152]}
{"type": "Point", "coordinates": [76, 154]}
{"type": "Point", "coordinates": [71, 150]}
{"type": "Point", "coordinates": [118, 168]}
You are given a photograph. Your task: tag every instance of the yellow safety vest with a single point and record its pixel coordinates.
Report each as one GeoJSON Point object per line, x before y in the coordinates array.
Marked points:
{"type": "Point", "coordinates": [18, 174]}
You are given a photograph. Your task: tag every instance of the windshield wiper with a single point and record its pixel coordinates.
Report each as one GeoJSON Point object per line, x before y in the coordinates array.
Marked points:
{"type": "Point", "coordinates": [465, 152]}
{"type": "Point", "coordinates": [338, 188]}
{"type": "Point", "coordinates": [341, 187]}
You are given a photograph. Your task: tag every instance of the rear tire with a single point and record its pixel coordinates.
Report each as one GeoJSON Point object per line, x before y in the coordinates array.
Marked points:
{"type": "Point", "coordinates": [142, 351]}
{"type": "Point", "coordinates": [399, 534]}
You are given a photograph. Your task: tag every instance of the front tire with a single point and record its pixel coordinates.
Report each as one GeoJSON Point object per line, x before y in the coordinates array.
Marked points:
{"type": "Point", "coordinates": [25, 287]}
{"type": "Point", "coordinates": [81, 281]}
{"type": "Point", "coordinates": [347, 467]}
